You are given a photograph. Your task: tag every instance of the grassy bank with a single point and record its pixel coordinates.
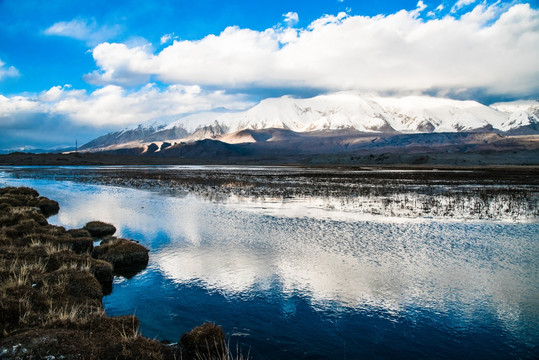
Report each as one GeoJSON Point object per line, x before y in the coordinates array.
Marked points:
{"type": "Point", "coordinates": [52, 282]}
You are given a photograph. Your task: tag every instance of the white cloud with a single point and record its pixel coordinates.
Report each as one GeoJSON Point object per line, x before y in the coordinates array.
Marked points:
{"type": "Point", "coordinates": [122, 65]}
{"type": "Point", "coordinates": [6, 71]}
{"type": "Point", "coordinates": [440, 7]}
{"type": "Point", "coordinates": [17, 104]}
{"type": "Point", "coordinates": [291, 18]}
{"type": "Point", "coordinates": [113, 105]}
{"type": "Point", "coordinates": [167, 37]}
{"type": "Point", "coordinates": [419, 8]}
{"type": "Point", "coordinates": [493, 48]}
{"type": "Point", "coordinates": [460, 4]}
{"type": "Point", "coordinates": [421, 5]}
{"type": "Point", "coordinates": [85, 30]}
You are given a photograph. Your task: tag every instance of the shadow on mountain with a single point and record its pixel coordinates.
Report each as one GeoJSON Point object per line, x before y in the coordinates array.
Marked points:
{"type": "Point", "coordinates": [282, 146]}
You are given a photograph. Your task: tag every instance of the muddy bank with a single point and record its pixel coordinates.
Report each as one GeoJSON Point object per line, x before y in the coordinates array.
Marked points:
{"type": "Point", "coordinates": [52, 282]}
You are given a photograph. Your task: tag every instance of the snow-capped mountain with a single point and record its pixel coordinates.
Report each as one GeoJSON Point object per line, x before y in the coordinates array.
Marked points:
{"type": "Point", "coordinates": [412, 114]}
{"type": "Point", "coordinates": [141, 133]}
{"type": "Point", "coordinates": [523, 116]}
{"type": "Point", "coordinates": [341, 111]}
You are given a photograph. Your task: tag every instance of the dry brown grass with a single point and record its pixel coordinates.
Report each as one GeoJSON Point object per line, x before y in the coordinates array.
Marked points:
{"type": "Point", "coordinates": [131, 333]}
{"type": "Point", "coordinates": [225, 355]}
{"type": "Point", "coordinates": [51, 289]}
{"type": "Point", "coordinates": [19, 273]}
{"type": "Point", "coordinates": [84, 265]}
{"type": "Point", "coordinates": [79, 314]}
{"type": "Point", "coordinates": [49, 247]}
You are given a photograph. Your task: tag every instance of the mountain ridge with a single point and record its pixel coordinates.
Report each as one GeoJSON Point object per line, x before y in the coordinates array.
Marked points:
{"type": "Point", "coordinates": [343, 111]}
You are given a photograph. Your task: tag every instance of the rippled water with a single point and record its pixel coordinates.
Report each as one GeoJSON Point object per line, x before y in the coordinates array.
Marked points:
{"type": "Point", "coordinates": [288, 282]}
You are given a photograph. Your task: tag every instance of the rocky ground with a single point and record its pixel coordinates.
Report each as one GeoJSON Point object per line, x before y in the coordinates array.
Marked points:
{"type": "Point", "coordinates": [52, 282]}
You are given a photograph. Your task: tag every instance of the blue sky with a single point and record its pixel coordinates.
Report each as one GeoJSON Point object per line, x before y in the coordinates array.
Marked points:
{"type": "Point", "coordinates": [63, 60]}
{"type": "Point", "coordinates": [73, 69]}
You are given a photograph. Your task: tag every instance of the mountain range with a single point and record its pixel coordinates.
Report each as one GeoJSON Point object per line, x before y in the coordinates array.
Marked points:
{"type": "Point", "coordinates": [339, 111]}
{"type": "Point", "coordinates": [331, 124]}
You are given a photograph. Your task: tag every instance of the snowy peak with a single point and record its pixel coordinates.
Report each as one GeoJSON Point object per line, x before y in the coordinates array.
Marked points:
{"type": "Point", "coordinates": [339, 111]}
{"type": "Point", "coordinates": [411, 114]}
{"type": "Point", "coordinates": [522, 115]}
{"type": "Point", "coordinates": [212, 131]}
{"type": "Point", "coordinates": [325, 112]}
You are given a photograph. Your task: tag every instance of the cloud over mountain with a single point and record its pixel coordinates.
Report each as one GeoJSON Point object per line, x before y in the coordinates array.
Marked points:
{"type": "Point", "coordinates": [53, 111]}
{"type": "Point", "coordinates": [474, 50]}
{"type": "Point", "coordinates": [492, 48]}
{"type": "Point", "coordinates": [113, 105]}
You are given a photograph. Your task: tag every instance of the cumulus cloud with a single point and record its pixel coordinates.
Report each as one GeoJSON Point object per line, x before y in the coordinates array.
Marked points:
{"type": "Point", "coordinates": [114, 105]}
{"type": "Point", "coordinates": [167, 38]}
{"type": "Point", "coordinates": [7, 71]}
{"type": "Point", "coordinates": [492, 48]}
{"type": "Point", "coordinates": [460, 4]}
{"type": "Point", "coordinates": [121, 65]}
{"type": "Point", "coordinates": [104, 109]}
{"type": "Point", "coordinates": [291, 18]}
{"type": "Point", "coordinates": [85, 30]}
{"type": "Point", "coordinates": [421, 6]}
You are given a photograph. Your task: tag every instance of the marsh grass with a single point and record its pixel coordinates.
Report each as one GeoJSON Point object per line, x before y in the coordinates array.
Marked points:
{"type": "Point", "coordinates": [480, 193]}
{"type": "Point", "coordinates": [226, 354]}
{"type": "Point", "coordinates": [49, 247]}
{"type": "Point", "coordinates": [51, 290]}
{"type": "Point", "coordinates": [130, 334]}
{"type": "Point", "coordinates": [20, 273]}
{"type": "Point", "coordinates": [79, 314]}
{"type": "Point", "coordinates": [84, 265]}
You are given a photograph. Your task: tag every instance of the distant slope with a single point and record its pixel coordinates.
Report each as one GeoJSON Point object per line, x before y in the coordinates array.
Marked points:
{"type": "Point", "coordinates": [341, 147]}
{"type": "Point", "coordinates": [523, 116]}
{"type": "Point", "coordinates": [138, 134]}
{"type": "Point", "coordinates": [281, 143]}
{"type": "Point", "coordinates": [343, 111]}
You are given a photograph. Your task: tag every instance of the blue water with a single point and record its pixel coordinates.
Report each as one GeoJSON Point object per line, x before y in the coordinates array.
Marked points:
{"type": "Point", "coordinates": [318, 286]}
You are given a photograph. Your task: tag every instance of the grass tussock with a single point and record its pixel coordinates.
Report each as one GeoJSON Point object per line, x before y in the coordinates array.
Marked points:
{"type": "Point", "coordinates": [206, 341]}
{"type": "Point", "coordinates": [50, 248]}
{"type": "Point", "coordinates": [126, 256]}
{"type": "Point", "coordinates": [130, 332]}
{"type": "Point", "coordinates": [52, 282]}
{"type": "Point", "coordinates": [85, 265]}
{"type": "Point", "coordinates": [99, 229]}
{"type": "Point", "coordinates": [76, 314]}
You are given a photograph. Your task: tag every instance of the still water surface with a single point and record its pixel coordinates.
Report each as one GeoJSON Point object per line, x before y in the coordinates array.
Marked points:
{"type": "Point", "coordinates": [286, 285]}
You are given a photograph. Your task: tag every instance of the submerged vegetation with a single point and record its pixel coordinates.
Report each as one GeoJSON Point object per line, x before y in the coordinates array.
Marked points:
{"type": "Point", "coordinates": [52, 282]}
{"type": "Point", "coordinates": [506, 193]}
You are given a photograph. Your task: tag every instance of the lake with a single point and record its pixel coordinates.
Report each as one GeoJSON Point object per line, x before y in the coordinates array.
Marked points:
{"type": "Point", "coordinates": [317, 277]}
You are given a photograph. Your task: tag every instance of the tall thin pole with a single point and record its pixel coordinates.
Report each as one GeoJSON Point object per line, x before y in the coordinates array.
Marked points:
{"type": "Point", "coordinates": [76, 146]}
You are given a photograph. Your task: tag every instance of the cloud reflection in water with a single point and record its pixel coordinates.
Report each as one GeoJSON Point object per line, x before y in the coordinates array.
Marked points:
{"type": "Point", "coordinates": [464, 269]}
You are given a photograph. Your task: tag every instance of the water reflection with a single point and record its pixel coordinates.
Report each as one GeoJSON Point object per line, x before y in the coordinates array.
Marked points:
{"type": "Point", "coordinates": [462, 274]}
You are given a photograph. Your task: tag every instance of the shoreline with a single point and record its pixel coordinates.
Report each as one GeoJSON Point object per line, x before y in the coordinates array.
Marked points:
{"type": "Point", "coordinates": [467, 195]}
{"type": "Point", "coordinates": [392, 159]}
{"type": "Point", "coordinates": [52, 282]}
